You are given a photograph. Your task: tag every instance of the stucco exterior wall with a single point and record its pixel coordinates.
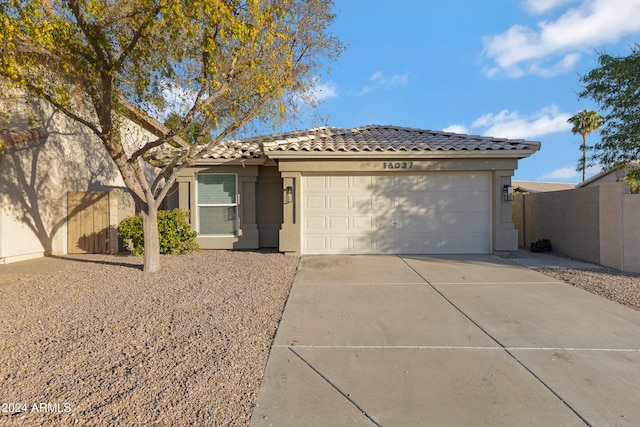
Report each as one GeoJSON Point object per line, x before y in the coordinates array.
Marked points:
{"type": "Point", "coordinates": [631, 232]}
{"type": "Point", "coordinates": [611, 217]}
{"type": "Point", "coordinates": [35, 177]}
{"type": "Point", "coordinates": [269, 201]}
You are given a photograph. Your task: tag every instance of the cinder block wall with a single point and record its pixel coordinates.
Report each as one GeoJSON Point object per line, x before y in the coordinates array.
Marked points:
{"type": "Point", "coordinates": [599, 224]}
{"type": "Point", "coordinates": [570, 219]}
{"type": "Point", "coordinates": [631, 232]}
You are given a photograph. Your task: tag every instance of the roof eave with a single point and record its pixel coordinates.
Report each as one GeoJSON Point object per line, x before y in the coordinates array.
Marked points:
{"type": "Point", "coordinates": [248, 161]}
{"type": "Point", "coordinates": [439, 154]}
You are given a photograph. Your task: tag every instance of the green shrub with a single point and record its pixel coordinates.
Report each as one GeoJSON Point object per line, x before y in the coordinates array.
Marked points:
{"type": "Point", "coordinates": [176, 236]}
{"type": "Point", "coordinates": [542, 245]}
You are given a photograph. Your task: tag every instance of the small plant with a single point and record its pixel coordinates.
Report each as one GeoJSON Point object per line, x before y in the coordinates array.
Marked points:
{"type": "Point", "coordinates": [542, 245]}
{"type": "Point", "coordinates": [176, 236]}
{"type": "Point", "coordinates": [632, 179]}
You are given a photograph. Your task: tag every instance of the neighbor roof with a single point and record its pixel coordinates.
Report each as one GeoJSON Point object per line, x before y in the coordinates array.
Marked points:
{"type": "Point", "coordinates": [12, 137]}
{"type": "Point", "coordinates": [540, 187]}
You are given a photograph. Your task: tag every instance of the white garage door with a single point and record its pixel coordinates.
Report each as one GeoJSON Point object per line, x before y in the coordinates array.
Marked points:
{"type": "Point", "coordinates": [431, 213]}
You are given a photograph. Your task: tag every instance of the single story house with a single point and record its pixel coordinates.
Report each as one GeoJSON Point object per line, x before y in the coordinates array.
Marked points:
{"type": "Point", "coordinates": [367, 190]}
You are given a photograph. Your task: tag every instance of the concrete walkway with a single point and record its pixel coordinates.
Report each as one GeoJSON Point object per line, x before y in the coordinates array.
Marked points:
{"type": "Point", "coordinates": [448, 341]}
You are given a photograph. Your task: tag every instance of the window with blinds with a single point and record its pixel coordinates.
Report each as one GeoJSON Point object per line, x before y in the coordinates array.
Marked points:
{"type": "Point", "coordinates": [216, 199]}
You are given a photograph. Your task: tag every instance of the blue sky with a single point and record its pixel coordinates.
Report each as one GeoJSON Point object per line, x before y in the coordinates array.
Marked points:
{"type": "Point", "coordinates": [507, 69]}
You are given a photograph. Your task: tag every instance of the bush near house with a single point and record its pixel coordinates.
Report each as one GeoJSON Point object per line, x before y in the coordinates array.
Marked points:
{"type": "Point", "coordinates": [176, 236]}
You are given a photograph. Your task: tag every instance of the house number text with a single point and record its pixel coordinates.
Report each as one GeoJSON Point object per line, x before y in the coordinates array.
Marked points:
{"type": "Point", "coordinates": [397, 165]}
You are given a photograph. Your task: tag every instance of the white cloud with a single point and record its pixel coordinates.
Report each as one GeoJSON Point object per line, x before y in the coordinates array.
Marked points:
{"type": "Point", "coordinates": [562, 173]}
{"type": "Point", "coordinates": [554, 46]}
{"type": "Point", "coordinates": [389, 81]}
{"type": "Point", "coordinates": [379, 80]}
{"type": "Point", "coordinates": [177, 100]}
{"type": "Point", "coordinates": [568, 174]}
{"type": "Point", "coordinates": [506, 124]}
{"type": "Point", "coordinates": [542, 6]}
{"type": "Point", "coordinates": [456, 129]}
{"type": "Point", "coordinates": [323, 91]}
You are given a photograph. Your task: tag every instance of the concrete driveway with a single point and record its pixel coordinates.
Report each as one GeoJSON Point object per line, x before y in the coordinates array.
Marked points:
{"type": "Point", "coordinates": [448, 341]}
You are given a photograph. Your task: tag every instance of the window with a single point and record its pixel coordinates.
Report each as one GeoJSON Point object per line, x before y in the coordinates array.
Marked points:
{"type": "Point", "coordinates": [217, 204]}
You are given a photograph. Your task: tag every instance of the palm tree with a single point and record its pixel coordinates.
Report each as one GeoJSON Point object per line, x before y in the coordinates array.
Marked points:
{"type": "Point", "coordinates": [585, 122]}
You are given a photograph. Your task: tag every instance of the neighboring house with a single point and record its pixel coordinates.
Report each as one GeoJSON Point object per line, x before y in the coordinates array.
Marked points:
{"type": "Point", "coordinates": [608, 176]}
{"type": "Point", "coordinates": [531, 187]}
{"type": "Point", "coordinates": [60, 192]}
{"type": "Point", "coordinates": [368, 190]}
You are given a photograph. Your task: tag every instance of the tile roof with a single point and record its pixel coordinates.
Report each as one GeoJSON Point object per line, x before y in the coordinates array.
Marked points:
{"type": "Point", "coordinates": [236, 150]}
{"type": "Point", "coordinates": [9, 138]}
{"type": "Point", "coordinates": [388, 138]}
{"type": "Point", "coordinates": [372, 138]}
{"type": "Point", "coordinates": [540, 187]}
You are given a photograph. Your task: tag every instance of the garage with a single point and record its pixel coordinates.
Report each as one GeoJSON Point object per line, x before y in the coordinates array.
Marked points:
{"type": "Point", "coordinates": [427, 213]}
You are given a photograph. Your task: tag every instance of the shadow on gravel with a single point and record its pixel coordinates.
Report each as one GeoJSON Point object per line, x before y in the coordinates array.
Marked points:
{"type": "Point", "coordinates": [103, 261]}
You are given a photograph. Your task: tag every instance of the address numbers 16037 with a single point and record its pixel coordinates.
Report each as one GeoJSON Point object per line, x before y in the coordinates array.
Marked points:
{"type": "Point", "coordinates": [397, 165]}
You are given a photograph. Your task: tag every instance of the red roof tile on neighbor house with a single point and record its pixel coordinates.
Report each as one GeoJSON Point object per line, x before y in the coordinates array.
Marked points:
{"type": "Point", "coordinates": [9, 138]}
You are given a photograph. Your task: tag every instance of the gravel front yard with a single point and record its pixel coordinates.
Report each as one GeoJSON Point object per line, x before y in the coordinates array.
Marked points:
{"type": "Point", "coordinates": [101, 343]}
{"type": "Point", "coordinates": [618, 286]}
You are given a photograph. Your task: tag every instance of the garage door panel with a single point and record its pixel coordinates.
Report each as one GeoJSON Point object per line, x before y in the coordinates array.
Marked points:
{"type": "Point", "coordinates": [362, 182]}
{"type": "Point", "coordinates": [339, 182]}
{"type": "Point", "coordinates": [316, 223]}
{"type": "Point", "coordinates": [315, 245]}
{"type": "Point", "coordinates": [315, 202]}
{"type": "Point", "coordinates": [412, 214]}
{"type": "Point", "coordinates": [339, 244]}
{"type": "Point", "coordinates": [363, 223]}
{"type": "Point", "coordinates": [312, 182]}
{"type": "Point", "coordinates": [339, 223]}
{"type": "Point", "coordinates": [362, 203]}
{"type": "Point", "coordinates": [382, 203]}
{"type": "Point", "coordinates": [338, 202]}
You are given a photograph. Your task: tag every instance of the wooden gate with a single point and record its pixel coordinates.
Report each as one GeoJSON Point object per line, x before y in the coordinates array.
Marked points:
{"type": "Point", "coordinates": [87, 222]}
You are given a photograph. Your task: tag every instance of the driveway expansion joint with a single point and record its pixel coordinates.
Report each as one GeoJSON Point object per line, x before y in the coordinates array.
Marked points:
{"type": "Point", "coordinates": [506, 350]}
{"type": "Point", "coordinates": [328, 381]}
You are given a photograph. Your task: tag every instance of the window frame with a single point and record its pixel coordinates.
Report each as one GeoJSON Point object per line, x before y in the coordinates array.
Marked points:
{"type": "Point", "coordinates": [236, 225]}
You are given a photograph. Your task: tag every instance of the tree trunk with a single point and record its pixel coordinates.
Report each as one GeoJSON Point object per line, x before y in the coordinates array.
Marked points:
{"type": "Point", "coordinates": [584, 157]}
{"type": "Point", "coordinates": [151, 239]}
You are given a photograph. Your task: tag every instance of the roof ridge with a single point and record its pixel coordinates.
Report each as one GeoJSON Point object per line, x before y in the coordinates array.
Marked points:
{"type": "Point", "coordinates": [438, 132]}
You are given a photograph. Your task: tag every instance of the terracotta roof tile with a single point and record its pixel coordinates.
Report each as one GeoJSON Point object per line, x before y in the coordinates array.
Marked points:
{"type": "Point", "coordinates": [10, 138]}
{"type": "Point", "coordinates": [389, 138]}
{"type": "Point", "coordinates": [235, 150]}
{"type": "Point", "coordinates": [364, 139]}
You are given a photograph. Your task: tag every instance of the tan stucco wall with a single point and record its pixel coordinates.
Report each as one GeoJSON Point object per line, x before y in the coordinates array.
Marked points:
{"type": "Point", "coordinates": [631, 232]}
{"type": "Point", "coordinates": [570, 219]}
{"type": "Point", "coordinates": [269, 201]}
{"type": "Point", "coordinates": [35, 177]}
{"type": "Point", "coordinates": [121, 206]}
{"type": "Point", "coordinates": [597, 223]}
{"type": "Point", "coordinates": [611, 217]}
